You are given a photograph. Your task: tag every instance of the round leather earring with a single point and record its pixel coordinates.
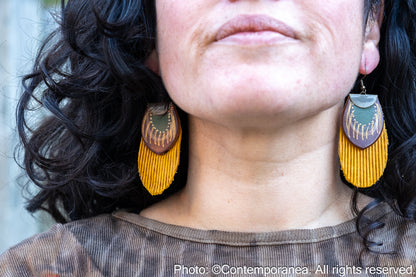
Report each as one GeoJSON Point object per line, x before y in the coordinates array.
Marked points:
{"type": "Point", "coordinates": [159, 151]}
{"type": "Point", "coordinates": [363, 141]}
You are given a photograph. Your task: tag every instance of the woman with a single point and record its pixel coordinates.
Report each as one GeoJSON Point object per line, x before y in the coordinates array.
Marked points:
{"type": "Point", "coordinates": [260, 89]}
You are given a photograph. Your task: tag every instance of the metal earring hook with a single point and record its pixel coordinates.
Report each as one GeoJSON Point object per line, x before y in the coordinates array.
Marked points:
{"type": "Point", "coordinates": [363, 88]}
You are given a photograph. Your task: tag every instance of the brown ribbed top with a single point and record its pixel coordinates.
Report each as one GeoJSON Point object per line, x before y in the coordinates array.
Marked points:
{"type": "Point", "coordinates": [127, 244]}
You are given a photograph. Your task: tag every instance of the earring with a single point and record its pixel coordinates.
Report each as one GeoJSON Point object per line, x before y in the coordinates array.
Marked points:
{"type": "Point", "coordinates": [363, 140]}
{"type": "Point", "coordinates": [159, 151]}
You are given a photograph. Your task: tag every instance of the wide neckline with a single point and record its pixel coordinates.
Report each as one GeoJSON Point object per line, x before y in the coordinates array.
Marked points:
{"type": "Point", "coordinates": [248, 238]}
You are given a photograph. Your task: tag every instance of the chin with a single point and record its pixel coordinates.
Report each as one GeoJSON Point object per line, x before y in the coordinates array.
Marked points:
{"type": "Point", "coordinates": [248, 113]}
{"type": "Point", "coordinates": [258, 98]}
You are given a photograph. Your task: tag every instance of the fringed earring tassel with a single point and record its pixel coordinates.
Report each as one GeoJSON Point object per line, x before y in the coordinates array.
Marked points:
{"type": "Point", "coordinates": [157, 171]}
{"type": "Point", "coordinates": [363, 167]}
{"type": "Point", "coordinates": [363, 141]}
{"type": "Point", "coordinates": [159, 151]}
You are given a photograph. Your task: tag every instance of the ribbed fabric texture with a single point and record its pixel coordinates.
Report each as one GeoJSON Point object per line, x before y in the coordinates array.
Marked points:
{"type": "Point", "coordinates": [363, 167]}
{"type": "Point", "coordinates": [126, 244]}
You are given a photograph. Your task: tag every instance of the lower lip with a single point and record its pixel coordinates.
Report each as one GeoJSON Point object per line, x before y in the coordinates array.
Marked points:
{"type": "Point", "coordinates": [256, 38]}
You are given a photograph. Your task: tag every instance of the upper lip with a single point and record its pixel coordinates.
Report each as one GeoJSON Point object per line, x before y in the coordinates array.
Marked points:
{"type": "Point", "coordinates": [253, 23]}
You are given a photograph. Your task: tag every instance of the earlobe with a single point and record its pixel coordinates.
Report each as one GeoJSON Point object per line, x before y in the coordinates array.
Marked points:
{"type": "Point", "coordinates": [370, 56]}
{"type": "Point", "coordinates": [152, 62]}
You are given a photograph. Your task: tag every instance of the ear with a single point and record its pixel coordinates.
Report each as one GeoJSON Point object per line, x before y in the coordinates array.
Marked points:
{"type": "Point", "coordinates": [152, 62]}
{"type": "Point", "coordinates": [370, 56]}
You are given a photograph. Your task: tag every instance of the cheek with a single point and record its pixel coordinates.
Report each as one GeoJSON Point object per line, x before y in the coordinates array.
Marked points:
{"type": "Point", "coordinates": [336, 37]}
{"type": "Point", "coordinates": [175, 24]}
{"type": "Point", "coordinates": [179, 26]}
{"type": "Point", "coordinates": [337, 27]}
{"type": "Point", "coordinates": [170, 28]}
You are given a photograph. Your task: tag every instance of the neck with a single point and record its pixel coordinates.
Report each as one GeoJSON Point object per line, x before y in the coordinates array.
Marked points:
{"type": "Point", "coordinates": [256, 180]}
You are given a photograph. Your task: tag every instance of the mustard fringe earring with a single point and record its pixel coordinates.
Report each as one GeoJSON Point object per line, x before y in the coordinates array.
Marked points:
{"type": "Point", "coordinates": [363, 141]}
{"type": "Point", "coordinates": [159, 150]}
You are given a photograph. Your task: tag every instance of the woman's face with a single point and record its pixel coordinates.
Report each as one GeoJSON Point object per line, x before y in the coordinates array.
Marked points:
{"type": "Point", "coordinates": [242, 61]}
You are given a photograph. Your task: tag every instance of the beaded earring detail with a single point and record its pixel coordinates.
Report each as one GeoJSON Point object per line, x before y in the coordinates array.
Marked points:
{"type": "Point", "coordinates": [363, 141]}
{"type": "Point", "coordinates": [159, 151]}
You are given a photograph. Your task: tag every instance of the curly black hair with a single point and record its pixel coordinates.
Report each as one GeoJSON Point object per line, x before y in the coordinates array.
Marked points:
{"type": "Point", "coordinates": [90, 87]}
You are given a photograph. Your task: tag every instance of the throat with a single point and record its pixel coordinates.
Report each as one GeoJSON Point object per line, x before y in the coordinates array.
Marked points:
{"type": "Point", "coordinates": [247, 204]}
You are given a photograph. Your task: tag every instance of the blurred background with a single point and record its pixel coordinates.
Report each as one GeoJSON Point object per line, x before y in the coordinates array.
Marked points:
{"type": "Point", "coordinates": [23, 25]}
